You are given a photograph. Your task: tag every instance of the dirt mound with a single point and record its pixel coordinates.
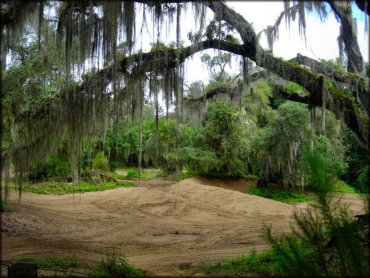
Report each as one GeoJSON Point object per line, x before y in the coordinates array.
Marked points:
{"type": "Point", "coordinates": [235, 184]}
{"type": "Point", "coordinates": [162, 227]}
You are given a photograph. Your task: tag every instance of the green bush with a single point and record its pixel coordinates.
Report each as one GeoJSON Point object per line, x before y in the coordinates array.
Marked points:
{"type": "Point", "coordinates": [217, 149]}
{"type": "Point", "coordinates": [115, 265]}
{"type": "Point", "coordinates": [101, 162]}
{"type": "Point", "coordinates": [281, 195]}
{"type": "Point", "coordinates": [145, 174]}
{"type": "Point", "coordinates": [253, 263]}
{"type": "Point", "coordinates": [53, 262]}
{"type": "Point", "coordinates": [327, 242]}
{"type": "Point", "coordinates": [133, 173]}
{"type": "Point", "coordinates": [363, 179]}
{"type": "Point", "coordinates": [57, 166]}
{"type": "Point", "coordinates": [198, 160]}
{"type": "Point", "coordinates": [185, 174]}
{"type": "Point", "coordinates": [322, 165]}
{"type": "Point", "coordinates": [61, 188]}
{"type": "Point", "coordinates": [113, 165]}
{"type": "Point", "coordinates": [341, 186]}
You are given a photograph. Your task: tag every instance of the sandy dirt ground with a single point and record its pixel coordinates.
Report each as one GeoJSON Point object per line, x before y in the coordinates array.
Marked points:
{"type": "Point", "coordinates": [164, 228]}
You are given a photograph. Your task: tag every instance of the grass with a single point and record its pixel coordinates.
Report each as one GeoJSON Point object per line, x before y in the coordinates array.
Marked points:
{"type": "Point", "coordinates": [61, 188]}
{"type": "Point", "coordinates": [281, 195]}
{"type": "Point", "coordinates": [185, 174]}
{"type": "Point", "coordinates": [146, 173]}
{"type": "Point", "coordinates": [53, 262]}
{"type": "Point", "coordinates": [252, 264]}
{"type": "Point", "coordinates": [251, 177]}
{"type": "Point", "coordinates": [117, 176]}
{"type": "Point", "coordinates": [115, 264]}
{"type": "Point", "coordinates": [341, 186]}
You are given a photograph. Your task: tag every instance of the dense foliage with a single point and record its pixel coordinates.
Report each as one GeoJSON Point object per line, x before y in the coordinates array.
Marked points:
{"type": "Point", "coordinates": [265, 136]}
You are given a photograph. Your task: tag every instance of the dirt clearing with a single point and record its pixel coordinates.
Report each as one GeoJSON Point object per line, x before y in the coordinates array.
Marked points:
{"type": "Point", "coordinates": [163, 228]}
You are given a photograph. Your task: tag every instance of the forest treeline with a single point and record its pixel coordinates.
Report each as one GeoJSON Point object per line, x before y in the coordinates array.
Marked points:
{"type": "Point", "coordinates": [261, 135]}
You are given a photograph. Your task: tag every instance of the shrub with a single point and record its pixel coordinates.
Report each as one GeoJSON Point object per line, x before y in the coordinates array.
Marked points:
{"type": "Point", "coordinates": [60, 188]}
{"type": "Point", "coordinates": [245, 265]}
{"type": "Point", "coordinates": [282, 195]}
{"type": "Point", "coordinates": [363, 179]}
{"type": "Point", "coordinates": [328, 242]}
{"type": "Point", "coordinates": [133, 173]}
{"type": "Point", "coordinates": [101, 162]}
{"type": "Point", "coordinates": [52, 262]}
{"type": "Point", "coordinates": [57, 166]}
{"type": "Point", "coordinates": [115, 165]}
{"type": "Point", "coordinates": [114, 265]}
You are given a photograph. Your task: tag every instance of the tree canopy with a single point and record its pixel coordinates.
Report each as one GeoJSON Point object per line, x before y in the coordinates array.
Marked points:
{"type": "Point", "coordinates": [71, 58]}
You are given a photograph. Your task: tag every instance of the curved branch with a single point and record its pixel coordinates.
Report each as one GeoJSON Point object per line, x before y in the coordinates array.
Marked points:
{"type": "Point", "coordinates": [343, 104]}
{"type": "Point", "coordinates": [356, 83]}
{"type": "Point", "coordinates": [279, 89]}
{"type": "Point", "coordinates": [355, 60]}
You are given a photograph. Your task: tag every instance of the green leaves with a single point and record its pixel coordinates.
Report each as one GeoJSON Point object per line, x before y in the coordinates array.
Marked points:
{"type": "Point", "coordinates": [216, 149]}
{"type": "Point", "coordinates": [101, 162]}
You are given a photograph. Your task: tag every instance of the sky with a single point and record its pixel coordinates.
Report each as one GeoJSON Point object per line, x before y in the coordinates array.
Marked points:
{"type": "Point", "coordinates": [321, 37]}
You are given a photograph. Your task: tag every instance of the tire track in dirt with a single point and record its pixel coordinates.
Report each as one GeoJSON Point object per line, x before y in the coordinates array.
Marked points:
{"type": "Point", "coordinates": [163, 228]}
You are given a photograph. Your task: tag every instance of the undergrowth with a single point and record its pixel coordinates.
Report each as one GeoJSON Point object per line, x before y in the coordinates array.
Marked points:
{"type": "Point", "coordinates": [145, 174]}
{"type": "Point", "coordinates": [281, 195]}
{"type": "Point", "coordinates": [253, 263]}
{"type": "Point", "coordinates": [61, 188]}
{"type": "Point", "coordinates": [117, 176]}
{"type": "Point", "coordinates": [52, 262]}
{"type": "Point", "coordinates": [341, 186]}
{"type": "Point", "coordinates": [115, 264]}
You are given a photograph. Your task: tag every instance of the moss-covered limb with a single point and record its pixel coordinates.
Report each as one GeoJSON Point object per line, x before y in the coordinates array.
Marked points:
{"type": "Point", "coordinates": [343, 77]}
{"type": "Point", "coordinates": [279, 89]}
{"type": "Point", "coordinates": [345, 106]}
{"type": "Point", "coordinates": [166, 57]}
{"type": "Point", "coordinates": [303, 76]}
{"type": "Point", "coordinates": [355, 82]}
{"type": "Point", "coordinates": [309, 79]}
{"type": "Point", "coordinates": [244, 28]}
{"type": "Point", "coordinates": [348, 35]}
{"type": "Point", "coordinates": [223, 89]}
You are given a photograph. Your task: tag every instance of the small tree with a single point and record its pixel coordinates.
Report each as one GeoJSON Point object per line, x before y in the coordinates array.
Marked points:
{"type": "Point", "coordinates": [327, 239]}
{"type": "Point", "coordinates": [101, 162]}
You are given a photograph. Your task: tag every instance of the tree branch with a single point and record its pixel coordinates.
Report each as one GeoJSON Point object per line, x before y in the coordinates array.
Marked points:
{"type": "Point", "coordinates": [355, 60]}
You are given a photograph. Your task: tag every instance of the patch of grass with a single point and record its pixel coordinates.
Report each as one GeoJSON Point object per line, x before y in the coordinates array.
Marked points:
{"type": "Point", "coordinates": [253, 263]}
{"type": "Point", "coordinates": [115, 264]}
{"type": "Point", "coordinates": [146, 173]}
{"type": "Point", "coordinates": [341, 186]}
{"type": "Point", "coordinates": [61, 188]}
{"type": "Point", "coordinates": [117, 176]}
{"type": "Point", "coordinates": [281, 195]}
{"type": "Point", "coordinates": [185, 174]}
{"type": "Point", "coordinates": [251, 177]}
{"type": "Point", "coordinates": [53, 262]}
